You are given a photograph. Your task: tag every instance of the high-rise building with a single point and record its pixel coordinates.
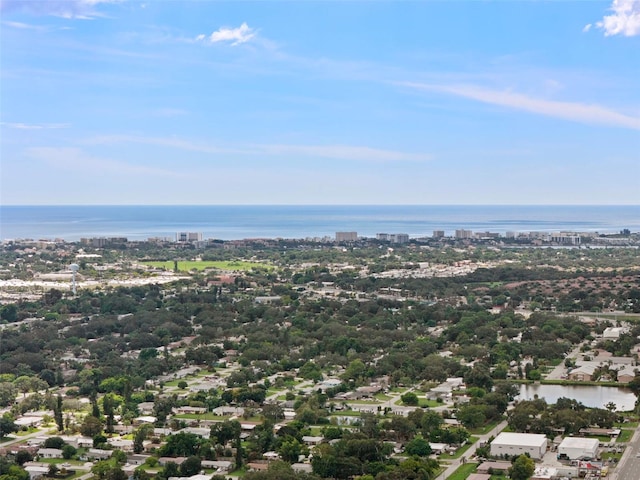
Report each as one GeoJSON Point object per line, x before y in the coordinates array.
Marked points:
{"type": "Point", "coordinates": [188, 237]}
{"type": "Point", "coordinates": [346, 236]}
{"type": "Point", "coordinates": [462, 234]}
{"type": "Point", "coordinates": [400, 238]}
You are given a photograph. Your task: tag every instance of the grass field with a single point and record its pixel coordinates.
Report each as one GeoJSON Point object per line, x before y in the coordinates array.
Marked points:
{"type": "Point", "coordinates": [485, 428]}
{"type": "Point", "coordinates": [187, 266]}
{"type": "Point", "coordinates": [460, 451]}
{"type": "Point", "coordinates": [625, 436]}
{"type": "Point", "coordinates": [464, 471]}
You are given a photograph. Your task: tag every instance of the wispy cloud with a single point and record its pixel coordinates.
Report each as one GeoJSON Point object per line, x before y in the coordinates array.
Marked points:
{"type": "Point", "coordinates": [573, 111]}
{"type": "Point", "coordinates": [71, 9]}
{"type": "Point", "coordinates": [625, 19]}
{"type": "Point", "coordinates": [334, 152]}
{"type": "Point", "coordinates": [23, 26]}
{"type": "Point", "coordinates": [32, 126]}
{"type": "Point", "coordinates": [78, 160]}
{"type": "Point", "coordinates": [171, 142]}
{"type": "Point", "coordinates": [345, 152]}
{"type": "Point", "coordinates": [236, 36]}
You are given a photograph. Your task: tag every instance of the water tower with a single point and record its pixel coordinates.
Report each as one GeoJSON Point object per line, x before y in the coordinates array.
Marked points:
{"type": "Point", "coordinates": [74, 267]}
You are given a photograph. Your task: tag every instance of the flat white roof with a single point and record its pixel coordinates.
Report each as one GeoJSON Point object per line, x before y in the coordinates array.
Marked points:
{"type": "Point", "coordinates": [579, 442]}
{"type": "Point", "coordinates": [520, 439]}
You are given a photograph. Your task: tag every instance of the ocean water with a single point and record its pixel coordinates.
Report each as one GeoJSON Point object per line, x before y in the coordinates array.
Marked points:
{"type": "Point", "coordinates": [301, 221]}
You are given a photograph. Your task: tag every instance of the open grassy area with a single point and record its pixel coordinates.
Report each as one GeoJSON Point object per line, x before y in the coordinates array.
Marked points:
{"type": "Point", "coordinates": [607, 455]}
{"type": "Point", "coordinates": [625, 436]}
{"type": "Point", "coordinates": [345, 413]}
{"type": "Point", "coordinates": [460, 451]}
{"type": "Point", "coordinates": [485, 428]}
{"type": "Point", "coordinates": [187, 266]}
{"type": "Point", "coordinates": [424, 402]}
{"type": "Point", "coordinates": [203, 416]}
{"type": "Point", "coordinates": [464, 471]}
{"type": "Point", "coordinates": [382, 397]}
{"type": "Point", "coordinates": [59, 461]}
{"type": "Point", "coordinates": [632, 425]}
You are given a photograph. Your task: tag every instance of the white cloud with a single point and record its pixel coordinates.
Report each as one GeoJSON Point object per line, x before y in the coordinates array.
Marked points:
{"type": "Point", "coordinates": [625, 19]}
{"type": "Point", "coordinates": [22, 26]}
{"type": "Point", "coordinates": [31, 126]}
{"type": "Point", "coordinates": [239, 35]}
{"type": "Point", "coordinates": [78, 160]}
{"type": "Point", "coordinates": [71, 9]}
{"type": "Point", "coordinates": [345, 152]}
{"type": "Point", "coordinates": [335, 152]}
{"type": "Point", "coordinates": [171, 142]}
{"type": "Point", "coordinates": [587, 27]}
{"type": "Point", "coordinates": [577, 112]}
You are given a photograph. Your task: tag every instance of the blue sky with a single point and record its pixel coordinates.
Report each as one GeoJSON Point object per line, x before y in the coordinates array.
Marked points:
{"type": "Point", "coordinates": [334, 102]}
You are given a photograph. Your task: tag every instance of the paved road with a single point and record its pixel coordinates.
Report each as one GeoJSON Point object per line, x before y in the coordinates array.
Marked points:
{"type": "Point", "coordinates": [560, 369]}
{"type": "Point", "coordinates": [472, 450]}
{"type": "Point", "coordinates": [629, 466]}
{"type": "Point", "coordinates": [24, 438]}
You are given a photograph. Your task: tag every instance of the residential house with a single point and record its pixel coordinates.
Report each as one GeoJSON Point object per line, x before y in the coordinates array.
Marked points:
{"type": "Point", "coordinates": [49, 453]}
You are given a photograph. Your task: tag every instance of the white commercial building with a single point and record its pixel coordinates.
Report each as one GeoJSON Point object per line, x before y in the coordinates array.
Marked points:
{"type": "Point", "coordinates": [576, 448]}
{"type": "Point", "coordinates": [511, 444]}
{"type": "Point", "coordinates": [613, 333]}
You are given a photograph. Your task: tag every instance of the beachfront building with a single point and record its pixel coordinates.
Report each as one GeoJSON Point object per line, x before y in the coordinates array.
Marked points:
{"type": "Point", "coordinates": [346, 236]}
{"type": "Point", "coordinates": [183, 237]}
{"type": "Point", "coordinates": [510, 444]}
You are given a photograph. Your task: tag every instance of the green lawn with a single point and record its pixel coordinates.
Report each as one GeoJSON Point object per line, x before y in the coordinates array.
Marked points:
{"type": "Point", "coordinates": [345, 413]}
{"type": "Point", "coordinates": [460, 451]}
{"type": "Point", "coordinates": [424, 402]}
{"type": "Point", "coordinates": [382, 397]}
{"type": "Point", "coordinates": [58, 461]}
{"type": "Point", "coordinates": [625, 435]}
{"type": "Point", "coordinates": [204, 416]}
{"type": "Point", "coordinates": [607, 455]}
{"type": "Point", "coordinates": [631, 425]}
{"type": "Point", "coordinates": [187, 266]}
{"type": "Point", "coordinates": [485, 428]}
{"type": "Point", "coordinates": [463, 471]}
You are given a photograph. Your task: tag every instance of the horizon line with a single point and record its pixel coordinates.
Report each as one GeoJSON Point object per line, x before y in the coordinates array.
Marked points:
{"type": "Point", "coordinates": [324, 205]}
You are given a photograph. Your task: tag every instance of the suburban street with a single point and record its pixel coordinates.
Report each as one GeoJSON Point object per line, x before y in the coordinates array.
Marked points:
{"type": "Point", "coordinates": [472, 450]}
{"type": "Point", "coordinates": [629, 466]}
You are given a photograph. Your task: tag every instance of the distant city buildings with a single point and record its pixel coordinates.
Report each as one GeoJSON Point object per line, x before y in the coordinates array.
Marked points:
{"type": "Point", "coordinates": [100, 242]}
{"type": "Point", "coordinates": [464, 234]}
{"type": "Point", "coordinates": [399, 238]}
{"type": "Point", "coordinates": [346, 236]}
{"type": "Point", "coordinates": [565, 238]}
{"type": "Point", "coordinates": [197, 240]}
{"type": "Point", "coordinates": [185, 237]}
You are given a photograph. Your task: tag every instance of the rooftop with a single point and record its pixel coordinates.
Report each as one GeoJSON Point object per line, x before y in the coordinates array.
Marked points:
{"type": "Point", "coordinates": [520, 439]}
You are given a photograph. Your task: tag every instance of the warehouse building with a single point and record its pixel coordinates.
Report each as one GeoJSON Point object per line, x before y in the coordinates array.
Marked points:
{"type": "Point", "coordinates": [511, 444]}
{"type": "Point", "coordinates": [575, 448]}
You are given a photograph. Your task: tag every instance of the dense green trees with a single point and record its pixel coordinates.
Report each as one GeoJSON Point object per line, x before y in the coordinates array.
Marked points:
{"type": "Point", "coordinates": [7, 425]}
{"type": "Point", "coordinates": [522, 468]}
{"type": "Point", "coordinates": [536, 416]}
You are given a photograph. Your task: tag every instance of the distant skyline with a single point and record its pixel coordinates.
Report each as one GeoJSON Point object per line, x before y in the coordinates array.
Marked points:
{"type": "Point", "coordinates": [270, 102]}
